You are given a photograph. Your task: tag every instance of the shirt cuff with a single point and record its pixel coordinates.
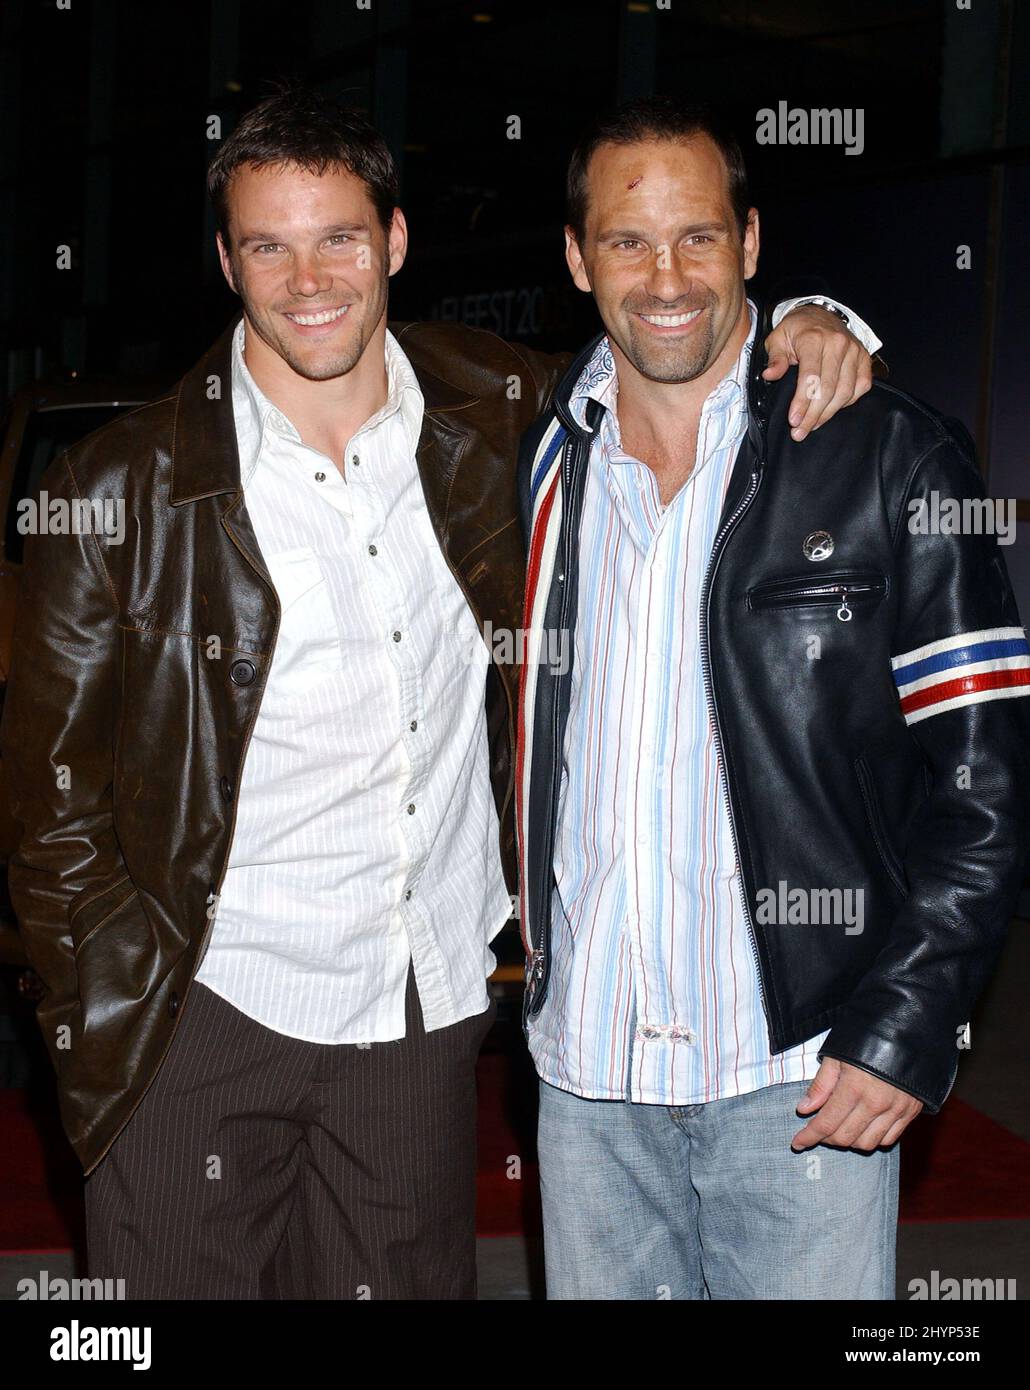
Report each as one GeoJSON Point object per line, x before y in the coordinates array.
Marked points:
{"type": "Point", "coordinates": [858, 327]}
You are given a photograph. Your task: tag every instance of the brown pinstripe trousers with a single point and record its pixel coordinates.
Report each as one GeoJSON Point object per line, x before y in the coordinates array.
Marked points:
{"type": "Point", "coordinates": [258, 1166]}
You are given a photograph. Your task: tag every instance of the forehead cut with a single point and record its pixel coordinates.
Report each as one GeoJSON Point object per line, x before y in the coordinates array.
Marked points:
{"type": "Point", "coordinates": [656, 174]}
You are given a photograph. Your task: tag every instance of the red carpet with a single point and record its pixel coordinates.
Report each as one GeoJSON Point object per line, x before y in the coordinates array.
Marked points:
{"type": "Point", "coordinates": [958, 1166]}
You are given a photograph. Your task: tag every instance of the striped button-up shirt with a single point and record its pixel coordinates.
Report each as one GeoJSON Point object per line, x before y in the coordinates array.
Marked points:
{"type": "Point", "coordinates": [654, 994]}
{"type": "Point", "coordinates": [366, 834]}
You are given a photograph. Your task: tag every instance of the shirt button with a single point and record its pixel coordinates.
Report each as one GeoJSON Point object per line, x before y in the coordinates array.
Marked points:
{"type": "Point", "coordinates": [372, 550]}
{"type": "Point", "coordinates": [396, 637]}
{"type": "Point", "coordinates": [411, 808]}
{"type": "Point", "coordinates": [414, 725]}
{"type": "Point", "coordinates": [407, 895]}
{"type": "Point", "coordinates": [319, 477]}
{"type": "Point", "coordinates": [355, 460]}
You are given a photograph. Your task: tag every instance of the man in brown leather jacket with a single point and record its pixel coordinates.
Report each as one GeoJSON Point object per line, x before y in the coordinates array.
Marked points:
{"type": "Point", "coordinates": [260, 893]}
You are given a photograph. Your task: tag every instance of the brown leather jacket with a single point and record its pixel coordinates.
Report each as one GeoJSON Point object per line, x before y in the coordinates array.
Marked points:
{"type": "Point", "coordinates": [123, 737]}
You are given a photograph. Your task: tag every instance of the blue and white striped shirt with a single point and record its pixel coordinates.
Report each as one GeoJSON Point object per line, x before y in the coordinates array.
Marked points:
{"type": "Point", "coordinates": [654, 992]}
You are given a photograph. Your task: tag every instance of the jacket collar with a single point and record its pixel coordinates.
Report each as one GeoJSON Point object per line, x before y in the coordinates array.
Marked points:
{"type": "Point", "coordinates": [205, 460]}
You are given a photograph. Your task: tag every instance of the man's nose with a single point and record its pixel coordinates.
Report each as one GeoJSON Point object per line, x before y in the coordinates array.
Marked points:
{"type": "Point", "coordinates": [309, 276]}
{"type": "Point", "coordinates": [669, 276]}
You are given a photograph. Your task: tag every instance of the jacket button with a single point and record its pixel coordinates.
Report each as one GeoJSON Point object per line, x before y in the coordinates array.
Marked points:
{"type": "Point", "coordinates": [241, 672]}
{"type": "Point", "coordinates": [173, 1004]}
{"type": "Point", "coordinates": [225, 787]}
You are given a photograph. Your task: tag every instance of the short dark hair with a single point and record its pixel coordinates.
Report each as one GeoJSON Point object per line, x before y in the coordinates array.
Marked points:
{"type": "Point", "coordinates": [655, 118]}
{"type": "Point", "coordinates": [297, 125]}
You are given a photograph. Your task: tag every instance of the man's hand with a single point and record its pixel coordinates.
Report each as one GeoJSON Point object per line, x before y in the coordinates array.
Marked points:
{"type": "Point", "coordinates": [834, 369]}
{"type": "Point", "coordinates": [856, 1109]}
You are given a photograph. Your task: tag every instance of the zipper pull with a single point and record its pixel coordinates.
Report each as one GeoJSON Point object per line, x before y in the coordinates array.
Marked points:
{"type": "Point", "coordinates": [536, 968]}
{"type": "Point", "coordinates": [844, 612]}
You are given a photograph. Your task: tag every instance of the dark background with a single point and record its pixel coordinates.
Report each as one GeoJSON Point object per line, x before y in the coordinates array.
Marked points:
{"type": "Point", "coordinates": [104, 144]}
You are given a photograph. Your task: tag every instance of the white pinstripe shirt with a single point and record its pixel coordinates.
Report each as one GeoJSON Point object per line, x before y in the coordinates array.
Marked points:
{"type": "Point", "coordinates": [654, 992]}
{"type": "Point", "coordinates": [366, 833]}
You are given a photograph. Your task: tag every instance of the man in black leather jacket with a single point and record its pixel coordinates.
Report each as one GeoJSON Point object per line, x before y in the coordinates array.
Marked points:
{"type": "Point", "coordinates": [782, 776]}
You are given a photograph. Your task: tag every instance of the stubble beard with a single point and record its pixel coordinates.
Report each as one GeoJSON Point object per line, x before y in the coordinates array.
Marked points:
{"type": "Point", "coordinates": [675, 362]}
{"type": "Point", "coordinates": [319, 369]}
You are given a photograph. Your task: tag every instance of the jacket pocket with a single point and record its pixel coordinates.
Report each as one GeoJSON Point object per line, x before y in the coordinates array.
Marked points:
{"type": "Point", "coordinates": [847, 590]}
{"type": "Point", "coordinates": [119, 965]}
{"type": "Point", "coordinates": [874, 819]}
{"type": "Point", "coordinates": [86, 917]}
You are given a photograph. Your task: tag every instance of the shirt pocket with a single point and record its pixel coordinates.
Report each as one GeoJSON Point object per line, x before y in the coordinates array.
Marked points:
{"type": "Point", "coordinates": [307, 648]}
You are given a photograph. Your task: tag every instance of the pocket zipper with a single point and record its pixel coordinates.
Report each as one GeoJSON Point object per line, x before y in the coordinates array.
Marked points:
{"type": "Point", "coordinates": [843, 589]}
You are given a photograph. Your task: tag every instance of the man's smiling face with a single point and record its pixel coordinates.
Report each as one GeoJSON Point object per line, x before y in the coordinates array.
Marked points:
{"type": "Point", "coordinates": [662, 254]}
{"type": "Point", "coordinates": [311, 262]}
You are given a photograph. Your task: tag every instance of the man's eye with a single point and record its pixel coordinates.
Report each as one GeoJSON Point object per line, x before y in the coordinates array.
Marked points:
{"type": "Point", "coordinates": [700, 238]}
{"type": "Point", "coordinates": [629, 243]}
{"type": "Point", "coordinates": [268, 246]}
{"type": "Point", "coordinates": [338, 238]}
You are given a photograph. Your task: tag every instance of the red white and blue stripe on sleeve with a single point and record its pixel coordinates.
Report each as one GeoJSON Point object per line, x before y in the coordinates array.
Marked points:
{"type": "Point", "coordinates": [967, 669]}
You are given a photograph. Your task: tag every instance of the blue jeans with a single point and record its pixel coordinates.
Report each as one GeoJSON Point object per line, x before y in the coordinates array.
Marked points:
{"type": "Point", "coordinates": [709, 1201]}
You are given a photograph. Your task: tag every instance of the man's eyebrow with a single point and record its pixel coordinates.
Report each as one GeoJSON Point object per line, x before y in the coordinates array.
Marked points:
{"type": "Point", "coordinates": [272, 237]}
{"type": "Point", "coordinates": [617, 233]}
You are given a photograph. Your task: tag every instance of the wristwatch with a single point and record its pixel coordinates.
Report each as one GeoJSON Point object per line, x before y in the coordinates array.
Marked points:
{"type": "Point", "coordinates": [828, 305]}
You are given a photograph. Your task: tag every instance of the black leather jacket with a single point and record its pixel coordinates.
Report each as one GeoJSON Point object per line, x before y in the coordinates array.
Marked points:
{"type": "Point", "coordinates": [832, 782]}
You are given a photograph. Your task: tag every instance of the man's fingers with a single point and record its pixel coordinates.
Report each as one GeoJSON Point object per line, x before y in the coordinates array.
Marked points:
{"type": "Point", "coordinates": [820, 387]}
{"type": "Point", "coordinates": [833, 1114]}
{"type": "Point", "coordinates": [778, 364]}
{"type": "Point", "coordinates": [896, 1130]}
{"type": "Point", "coordinates": [852, 1126]}
{"type": "Point", "coordinates": [874, 1134]}
{"type": "Point", "coordinates": [842, 396]}
{"type": "Point", "coordinates": [808, 384]}
{"type": "Point", "coordinates": [864, 374]}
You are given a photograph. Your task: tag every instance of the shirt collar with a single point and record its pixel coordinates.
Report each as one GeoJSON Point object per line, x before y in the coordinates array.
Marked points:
{"type": "Point", "coordinates": [255, 414]}
{"type": "Point", "coordinates": [599, 380]}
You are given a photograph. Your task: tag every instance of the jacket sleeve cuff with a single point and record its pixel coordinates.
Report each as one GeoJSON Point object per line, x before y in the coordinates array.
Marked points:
{"type": "Point", "coordinates": [919, 1071]}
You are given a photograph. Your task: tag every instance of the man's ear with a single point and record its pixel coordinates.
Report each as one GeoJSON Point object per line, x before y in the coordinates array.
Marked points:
{"type": "Point", "coordinates": [574, 260]}
{"type": "Point", "coordinates": [226, 262]}
{"type": "Point", "coordinates": [397, 242]}
{"type": "Point", "coordinates": [751, 243]}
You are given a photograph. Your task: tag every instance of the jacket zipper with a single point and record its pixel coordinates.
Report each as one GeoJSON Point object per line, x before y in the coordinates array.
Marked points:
{"type": "Point", "coordinates": [539, 957]}
{"type": "Point", "coordinates": [221, 877]}
{"type": "Point", "coordinates": [720, 541]}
